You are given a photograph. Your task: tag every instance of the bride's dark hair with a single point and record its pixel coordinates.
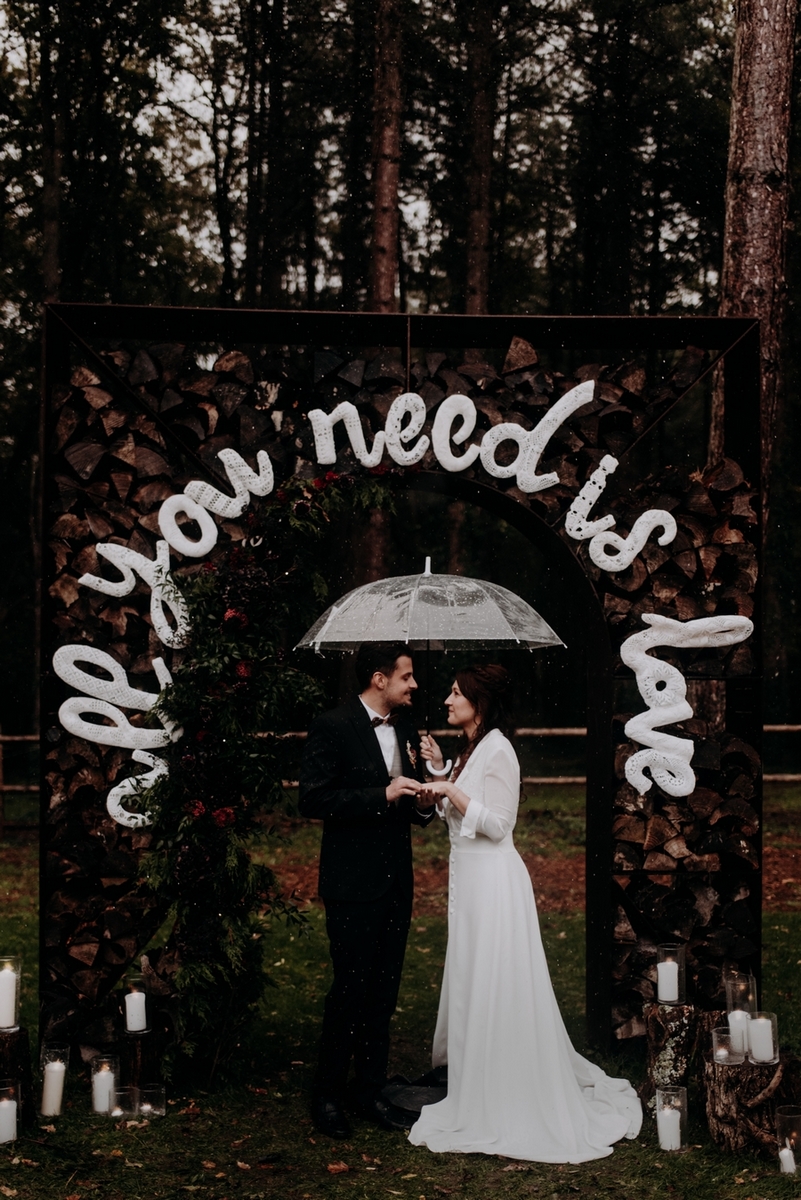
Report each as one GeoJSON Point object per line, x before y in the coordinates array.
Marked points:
{"type": "Point", "coordinates": [488, 689]}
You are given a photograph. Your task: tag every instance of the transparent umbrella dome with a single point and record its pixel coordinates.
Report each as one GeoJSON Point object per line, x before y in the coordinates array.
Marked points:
{"type": "Point", "coordinates": [433, 612]}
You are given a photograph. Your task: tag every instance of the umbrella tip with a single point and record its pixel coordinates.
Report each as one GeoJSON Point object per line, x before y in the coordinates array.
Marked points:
{"type": "Point", "coordinates": [427, 570]}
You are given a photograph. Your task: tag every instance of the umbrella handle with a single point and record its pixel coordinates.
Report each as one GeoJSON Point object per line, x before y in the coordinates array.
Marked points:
{"type": "Point", "coordinates": [446, 770]}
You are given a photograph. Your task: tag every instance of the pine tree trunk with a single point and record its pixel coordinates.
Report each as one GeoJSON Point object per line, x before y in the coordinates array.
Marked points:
{"type": "Point", "coordinates": [757, 198]}
{"type": "Point", "coordinates": [272, 270]}
{"type": "Point", "coordinates": [479, 179]}
{"type": "Point", "coordinates": [52, 153]}
{"type": "Point", "coordinates": [354, 231]}
{"type": "Point", "coordinates": [387, 112]}
{"type": "Point", "coordinates": [254, 30]}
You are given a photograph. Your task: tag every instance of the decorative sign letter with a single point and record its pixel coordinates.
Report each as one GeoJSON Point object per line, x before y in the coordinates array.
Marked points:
{"type": "Point", "coordinates": [441, 435]}
{"type": "Point", "coordinates": [664, 690]}
{"type": "Point", "coordinates": [323, 425]}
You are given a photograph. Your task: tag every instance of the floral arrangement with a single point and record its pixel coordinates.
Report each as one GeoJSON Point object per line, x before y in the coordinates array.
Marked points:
{"type": "Point", "coordinates": [237, 680]}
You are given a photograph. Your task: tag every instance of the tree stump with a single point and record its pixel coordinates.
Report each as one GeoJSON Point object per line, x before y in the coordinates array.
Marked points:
{"type": "Point", "coordinates": [15, 1064]}
{"type": "Point", "coordinates": [741, 1101]}
{"type": "Point", "coordinates": [671, 1033]}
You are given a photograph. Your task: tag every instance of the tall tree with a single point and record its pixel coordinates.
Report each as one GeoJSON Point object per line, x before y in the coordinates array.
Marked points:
{"type": "Point", "coordinates": [482, 130]}
{"type": "Point", "coordinates": [387, 113]}
{"type": "Point", "coordinates": [757, 200]}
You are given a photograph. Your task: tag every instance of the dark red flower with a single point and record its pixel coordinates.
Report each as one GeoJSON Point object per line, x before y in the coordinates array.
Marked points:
{"type": "Point", "coordinates": [331, 477]}
{"type": "Point", "coordinates": [195, 808]}
{"type": "Point", "coordinates": [223, 817]}
{"type": "Point", "coordinates": [280, 496]}
{"type": "Point", "coordinates": [244, 670]}
{"type": "Point", "coordinates": [202, 734]}
{"type": "Point", "coordinates": [381, 469]}
{"type": "Point", "coordinates": [236, 615]}
{"type": "Point", "coordinates": [319, 483]}
{"type": "Point", "coordinates": [209, 568]}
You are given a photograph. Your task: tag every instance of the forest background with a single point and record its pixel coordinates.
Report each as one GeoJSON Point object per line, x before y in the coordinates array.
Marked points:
{"type": "Point", "coordinates": [552, 157]}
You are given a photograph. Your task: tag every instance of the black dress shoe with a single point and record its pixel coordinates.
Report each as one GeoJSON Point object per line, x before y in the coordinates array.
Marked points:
{"type": "Point", "coordinates": [386, 1115]}
{"type": "Point", "coordinates": [330, 1118]}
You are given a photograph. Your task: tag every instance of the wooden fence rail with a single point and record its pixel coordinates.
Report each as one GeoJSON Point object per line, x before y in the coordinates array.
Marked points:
{"type": "Point", "coordinates": [523, 731]}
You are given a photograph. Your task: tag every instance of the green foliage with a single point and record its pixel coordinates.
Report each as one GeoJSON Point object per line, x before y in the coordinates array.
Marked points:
{"type": "Point", "coordinates": [234, 695]}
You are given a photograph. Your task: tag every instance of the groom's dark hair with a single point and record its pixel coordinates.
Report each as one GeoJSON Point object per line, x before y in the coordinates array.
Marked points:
{"type": "Point", "coordinates": [377, 656]}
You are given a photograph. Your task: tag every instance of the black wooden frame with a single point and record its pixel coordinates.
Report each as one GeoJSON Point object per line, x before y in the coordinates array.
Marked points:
{"type": "Point", "coordinates": [735, 339]}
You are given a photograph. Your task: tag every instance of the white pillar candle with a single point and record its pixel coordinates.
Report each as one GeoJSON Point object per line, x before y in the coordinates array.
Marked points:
{"type": "Point", "coordinates": [135, 1012]}
{"type": "Point", "coordinates": [787, 1161]}
{"type": "Point", "coordinates": [738, 1024]}
{"type": "Point", "coordinates": [53, 1088]}
{"type": "Point", "coordinates": [103, 1090]}
{"type": "Point", "coordinates": [8, 1120]}
{"type": "Point", "coordinates": [8, 998]}
{"type": "Point", "coordinates": [667, 982]}
{"type": "Point", "coordinates": [760, 1036]}
{"type": "Point", "coordinates": [668, 1126]}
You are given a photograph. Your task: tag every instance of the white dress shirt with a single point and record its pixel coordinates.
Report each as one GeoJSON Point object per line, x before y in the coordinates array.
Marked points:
{"type": "Point", "coordinates": [388, 741]}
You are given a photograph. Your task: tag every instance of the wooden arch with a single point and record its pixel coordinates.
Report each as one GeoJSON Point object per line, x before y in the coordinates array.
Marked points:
{"type": "Point", "coordinates": [138, 401]}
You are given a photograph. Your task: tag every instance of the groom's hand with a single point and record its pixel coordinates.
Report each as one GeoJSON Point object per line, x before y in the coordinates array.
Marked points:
{"type": "Point", "coordinates": [401, 786]}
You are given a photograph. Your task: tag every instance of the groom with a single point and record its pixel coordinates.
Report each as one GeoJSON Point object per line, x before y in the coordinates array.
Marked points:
{"type": "Point", "coordinates": [361, 774]}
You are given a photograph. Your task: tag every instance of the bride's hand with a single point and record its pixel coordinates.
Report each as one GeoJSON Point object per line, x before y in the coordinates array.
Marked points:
{"type": "Point", "coordinates": [431, 752]}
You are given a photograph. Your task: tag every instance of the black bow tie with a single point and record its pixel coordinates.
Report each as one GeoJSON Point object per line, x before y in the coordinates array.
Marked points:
{"type": "Point", "coordinates": [390, 720]}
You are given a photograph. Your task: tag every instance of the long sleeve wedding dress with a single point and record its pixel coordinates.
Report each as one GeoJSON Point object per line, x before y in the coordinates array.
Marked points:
{"type": "Point", "coordinates": [516, 1086]}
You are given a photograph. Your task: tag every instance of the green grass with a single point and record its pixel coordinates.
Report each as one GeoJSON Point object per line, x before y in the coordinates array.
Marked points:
{"type": "Point", "coordinates": [258, 1134]}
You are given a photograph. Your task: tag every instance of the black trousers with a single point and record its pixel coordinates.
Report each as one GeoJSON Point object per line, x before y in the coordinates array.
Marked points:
{"type": "Point", "coordinates": [368, 943]}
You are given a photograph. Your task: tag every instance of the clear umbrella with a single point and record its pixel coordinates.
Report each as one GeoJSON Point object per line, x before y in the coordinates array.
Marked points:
{"type": "Point", "coordinates": [431, 612]}
{"type": "Point", "coordinates": [435, 612]}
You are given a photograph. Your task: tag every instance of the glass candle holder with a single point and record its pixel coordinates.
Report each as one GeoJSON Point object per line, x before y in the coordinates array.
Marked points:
{"type": "Point", "coordinates": [105, 1078]}
{"type": "Point", "coordinates": [671, 1117]}
{"type": "Point", "coordinates": [788, 1133]}
{"type": "Point", "coordinates": [137, 1017]}
{"type": "Point", "coordinates": [670, 974]}
{"type": "Point", "coordinates": [726, 1050]}
{"type": "Point", "coordinates": [9, 1103]}
{"type": "Point", "coordinates": [152, 1102]}
{"type": "Point", "coordinates": [54, 1059]}
{"type": "Point", "coordinates": [740, 993]}
{"type": "Point", "coordinates": [10, 975]}
{"type": "Point", "coordinates": [126, 1103]}
{"type": "Point", "coordinates": [763, 1038]}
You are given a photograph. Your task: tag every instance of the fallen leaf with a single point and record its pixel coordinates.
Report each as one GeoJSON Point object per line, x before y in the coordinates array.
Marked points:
{"type": "Point", "coordinates": [117, 1154]}
{"type": "Point", "coordinates": [7, 1191]}
{"type": "Point", "coordinates": [517, 1167]}
{"type": "Point", "coordinates": [243, 1166]}
{"type": "Point", "coordinates": [220, 1175]}
{"type": "Point", "coordinates": [210, 1166]}
{"type": "Point", "coordinates": [128, 1163]}
{"type": "Point", "coordinates": [337, 1168]}
{"type": "Point", "coordinates": [408, 1176]}
{"type": "Point", "coordinates": [48, 1128]}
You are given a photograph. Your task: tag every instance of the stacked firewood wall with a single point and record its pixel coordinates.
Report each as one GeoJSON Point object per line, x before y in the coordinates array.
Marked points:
{"type": "Point", "coordinates": [132, 424]}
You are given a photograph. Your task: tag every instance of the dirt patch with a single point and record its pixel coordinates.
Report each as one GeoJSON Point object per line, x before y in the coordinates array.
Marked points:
{"type": "Point", "coordinates": [781, 878]}
{"type": "Point", "coordinates": [558, 882]}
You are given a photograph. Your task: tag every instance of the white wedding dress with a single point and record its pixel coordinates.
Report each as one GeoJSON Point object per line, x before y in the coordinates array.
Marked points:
{"type": "Point", "coordinates": [516, 1086]}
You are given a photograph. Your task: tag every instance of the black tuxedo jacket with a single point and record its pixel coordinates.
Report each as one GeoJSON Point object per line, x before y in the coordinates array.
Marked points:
{"type": "Point", "coordinates": [343, 780]}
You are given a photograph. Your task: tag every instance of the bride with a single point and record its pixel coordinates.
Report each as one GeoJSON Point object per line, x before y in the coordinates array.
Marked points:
{"type": "Point", "coordinates": [516, 1086]}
